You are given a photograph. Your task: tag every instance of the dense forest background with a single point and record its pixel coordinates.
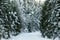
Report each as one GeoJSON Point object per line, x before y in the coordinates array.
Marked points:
{"type": "Point", "coordinates": [17, 16]}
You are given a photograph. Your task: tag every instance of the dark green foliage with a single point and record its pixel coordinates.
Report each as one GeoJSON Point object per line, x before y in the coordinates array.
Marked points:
{"type": "Point", "coordinates": [45, 21]}
{"type": "Point", "coordinates": [48, 27]}
{"type": "Point", "coordinates": [9, 18]}
{"type": "Point", "coordinates": [29, 28]}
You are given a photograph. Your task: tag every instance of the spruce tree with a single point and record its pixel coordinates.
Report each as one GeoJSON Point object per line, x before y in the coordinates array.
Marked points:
{"type": "Point", "coordinates": [50, 19]}
{"type": "Point", "coordinates": [45, 21]}
{"type": "Point", "coordinates": [9, 19]}
{"type": "Point", "coordinates": [3, 11]}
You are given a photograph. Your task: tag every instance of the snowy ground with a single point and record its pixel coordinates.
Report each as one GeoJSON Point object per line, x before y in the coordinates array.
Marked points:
{"type": "Point", "coordinates": [29, 36]}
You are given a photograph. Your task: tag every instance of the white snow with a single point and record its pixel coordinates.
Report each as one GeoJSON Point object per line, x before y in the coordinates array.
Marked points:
{"type": "Point", "coordinates": [28, 36]}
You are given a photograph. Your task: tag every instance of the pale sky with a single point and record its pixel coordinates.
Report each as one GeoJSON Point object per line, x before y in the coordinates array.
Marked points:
{"type": "Point", "coordinates": [41, 1]}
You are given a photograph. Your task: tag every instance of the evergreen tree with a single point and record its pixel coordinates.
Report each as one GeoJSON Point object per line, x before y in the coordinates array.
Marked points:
{"type": "Point", "coordinates": [50, 22]}
{"type": "Point", "coordinates": [45, 21]}
{"type": "Point", "coordinates": [3, 8]}
{"type": "Point", "coordinates": [16, 21]}
{"type": "Point", "coordinates": [29, 28]}
{"type": "Point", "coordinates": [9, 18]}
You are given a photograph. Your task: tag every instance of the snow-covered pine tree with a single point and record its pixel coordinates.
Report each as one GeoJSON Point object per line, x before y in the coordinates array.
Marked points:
{"type": "Point", "coordinates": [29, 14]}
{"type": "Point", "coordinates": [50, 19]}
{"type": "Point", "coordinates": [3, 8]}
{"type": "Point", "coordinates": [56, 18]}
{"type": "Point", "coordinates": [32, 14]}
{"type": "Point", "coordinates": [15, 19]}
{"type": "Point", "coordinates": [9, 18]}
{"type": "Point", "coordinates": [45, 21]}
